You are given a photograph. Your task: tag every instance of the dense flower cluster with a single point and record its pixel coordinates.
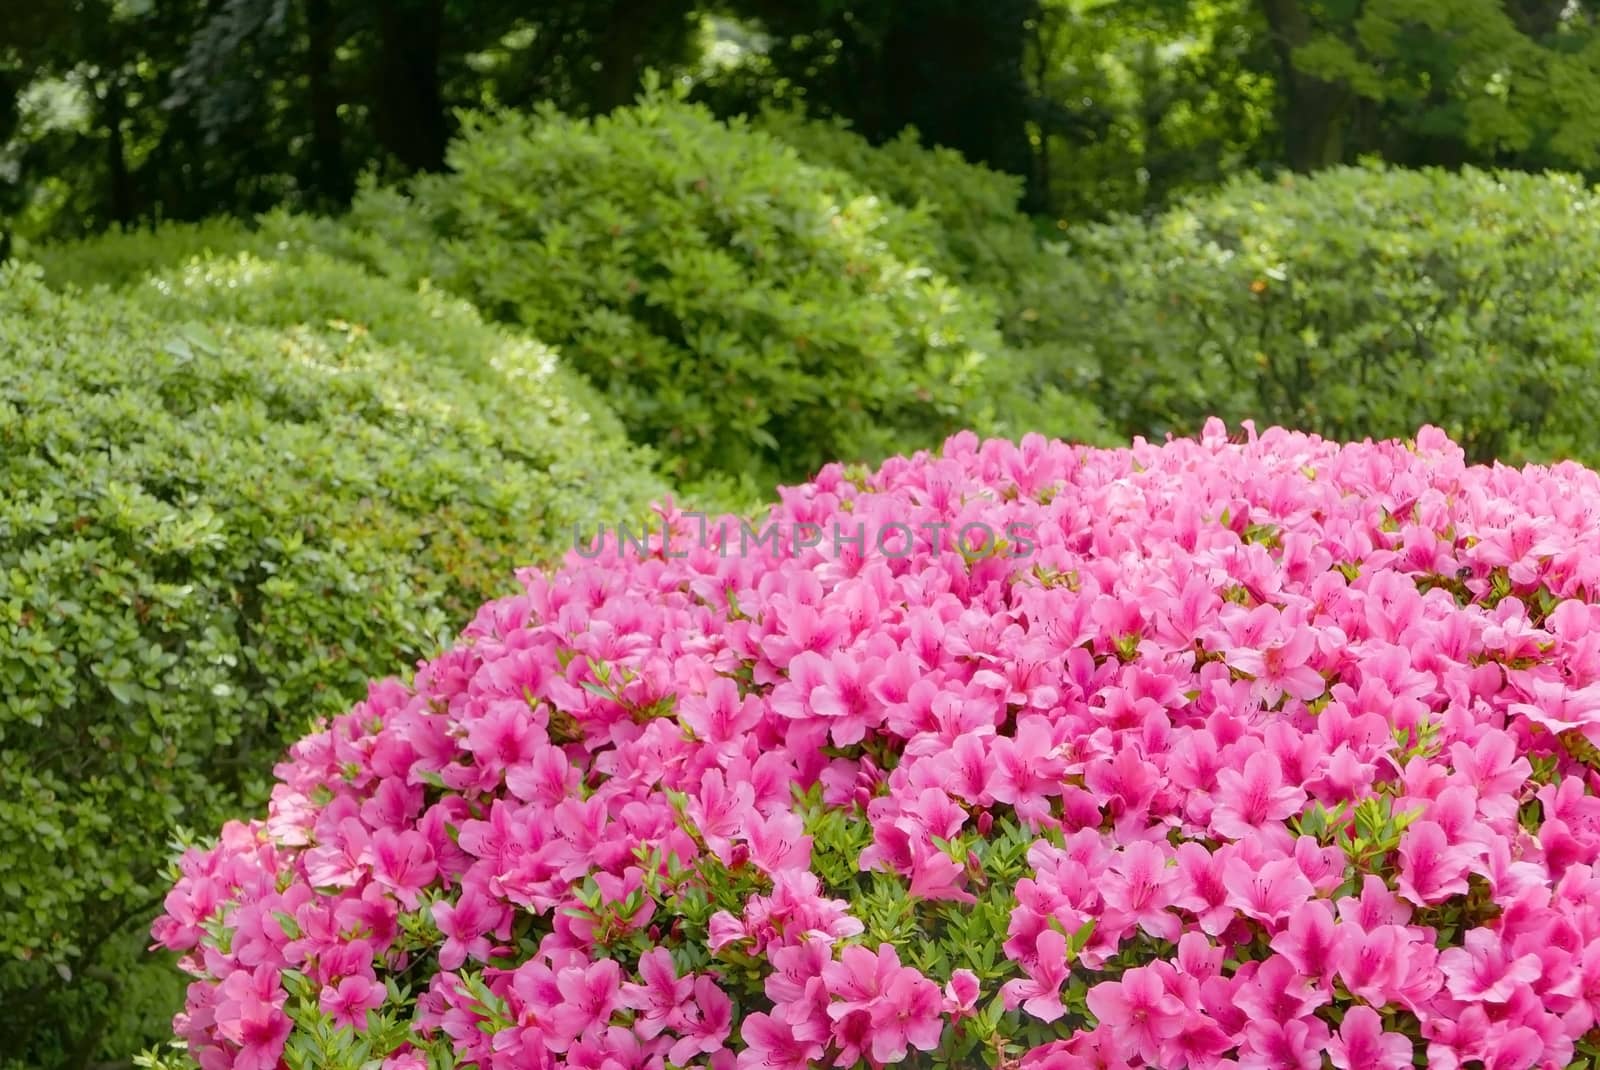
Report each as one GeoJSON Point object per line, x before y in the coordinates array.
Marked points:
{"type": "Point", "coordinates": [1266, 748]}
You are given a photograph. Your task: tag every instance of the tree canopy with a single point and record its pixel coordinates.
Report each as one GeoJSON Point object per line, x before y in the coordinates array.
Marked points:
{"type": "Point", "coordinates": [115, 112]}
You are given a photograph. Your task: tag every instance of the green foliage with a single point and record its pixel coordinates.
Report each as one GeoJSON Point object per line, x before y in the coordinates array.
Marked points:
{"type": "Point", "coordinates": [951, 69]}
{"type": "Point", "coordinates": [938, 936]}
{"type": "Point", "coordinates": [1356, 302]}
{"type": "Point", "coordinates": [1138, 101]}
{"type": "Point", "coordinates": [1504, 81]}
{"type": "Point", "coordinates": [188, 108]}
{"type": "Point", "coordinates": [972, 220]}
{"type": "Point", "coordinates": [738, 310]}
{"type": "Point", "coordinates": [121, 257]}
{"type": "Point", "coordinates": [213, 532]}
{"type": "Point", "coordinates": [974, 232]}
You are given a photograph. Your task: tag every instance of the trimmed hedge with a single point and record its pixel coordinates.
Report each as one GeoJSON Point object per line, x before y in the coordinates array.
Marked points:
{"type": "Point", "coordinates": [125, 257]}
{"type": "Point", "coordinates": [978, 235]}
{"type": "Point", "coordinates": [941, 276]}
{"type": "Point", "coordinates": [976, 229]}
{"type": "Point", "coordinates": [214, 532]}
{"type": "Point", "coordinates": [1355, 302]}
{"type": "Point", "coordinates": [743, 309]}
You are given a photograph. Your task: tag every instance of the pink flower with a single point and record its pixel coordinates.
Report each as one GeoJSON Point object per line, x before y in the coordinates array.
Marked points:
{"type": "Point", "coordinates": [1139, 1011]}
{"type": "Point", "coordinates": [906, 1016]}
{"type": "Point", "coordinates": [720, 812]}
{"type": "Point", "coordinates": [589, 995]}
{"type": "Point", "coordinates": [1431, 869]}
{"type": "Point", "coordinates": [1122, 729]}
{"type": "Point", "coordinates": [1558, 708]}
{"type": "Point", "coordinates": [249, 1013]}
{"type": "Point", "coordinates": [1039, 993]}
{"type": "Point", "coordinates": [1136, 892]}
{"type": "Point", "coordinates": [506, 736]}
{"type": "Point", "coordinates": [1311, 941]}
{"type": "Point", "coordinates": [858, 978]}
{"type": "Point", "coordinates": [837, 688]}
{"type": "Point", "coordinates": [261, 1031]}
{"type": "Point", "coordinates": [1199, 1043]}
{"type": "Point", "coordinates": [1268, 894]}
{"type": "Point", "coordinates": [1275, 992]}
{"type": "Point", "coordinates": [1199, 886]}
{"type": "Point", "coordinates": [660, 998]}
{"type": "Point", "coordinates": [1376, 906]}
{"type": "Point", "coordinates": [706, 1021]}
{"type": "Point", "coordinates": [546, 778]}
{"type": "Point", "coordinates": [466, 925]}
{"type": "Point", "coordinates": [721, 715]}
{"type": "Point", "coordinates": [1483, 971]}
{"type": "Point", "coordinates": [961, 994]}
{"type": "Point", "coordinates": [341, 861]}
{"type": "Point", "coordinates": [403, 863]}
{"type": "Point", "coordinates": [1361, 1044]}
{"type": "Point", "coordinates": [1296, 1044]}
{"type": "Point", "coordinates": [1276, 652]}
{"type": "Point", "coordinates": [1372, 964]}
{"type": "Point", "coordinates": [770, 1044]}
{"type": "Point", "coordinates": [1025, 771]}
{"type": "Point", "coordinates": [1249, 800]}
{"type": "Point", "coordinates": [348, 1003]}
{"type": "Point", "coordinates": [778, 843]}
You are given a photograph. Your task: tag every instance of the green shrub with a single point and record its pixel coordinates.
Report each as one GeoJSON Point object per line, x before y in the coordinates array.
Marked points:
{"type": "Point", "coordinates": [1355, 302]}
{"type": "Point", "coordinates": [213, 532]}
{"type": "Point", "coordinates": [979, 237]}
{"type": "Point", "coordinates": [122, 257]}
{"type": "Point", "coordinates": [974, 224]}
{"type": "Point", "coordinates": [739, 307]}
{"type": "Point", "coordinates": [688, 316]}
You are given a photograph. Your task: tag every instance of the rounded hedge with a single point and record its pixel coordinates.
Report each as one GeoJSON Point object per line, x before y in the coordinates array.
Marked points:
{"type": "Point", "coordinates": [974, 232]}
{"type": "Point", "coordinates": [1216, 753]}
{"type": "Point", "coordinates": [126, 256]}
{"type": "Point", "coordinates": [975, 227]}
{"type": "Point", "coordinates": [1354, 302]}
{"type": "Point", "coordinates": [743, 311]}
{"type": "Point", "coordinates": [873, 297]}
{"type": "Point", "coordinates": [213, 533]}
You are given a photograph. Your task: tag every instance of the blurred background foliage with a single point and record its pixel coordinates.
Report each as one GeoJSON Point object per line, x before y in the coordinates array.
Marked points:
{"type": "Point", "coordinates": [122, 111]}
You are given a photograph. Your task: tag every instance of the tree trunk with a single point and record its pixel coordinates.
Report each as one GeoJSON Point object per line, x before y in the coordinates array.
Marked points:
{"type": "Point", "coordinates": [330, 178]}
{"type": "Point", "coordinates": [1314, 113]}
{"type": "Point", "coordinates": [411, 122]}
{"type": "Point", "coordinates": [1539, 19]}
{"type": "Point", "coordinates": [620, 46]}
{"type": "Point", "coordinates": [120, 199]}
{"type": "Point", "coordinates": [11, 193]}
{"type": "Point", "coordinates": [954, 70]}
{"type": "Point", "coordinates": [1041, 182]}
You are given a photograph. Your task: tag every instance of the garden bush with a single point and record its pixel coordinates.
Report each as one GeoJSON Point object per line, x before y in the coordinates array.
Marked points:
{"type": "Point", "coordinates": [977, 235]}
{"type": "Point", "coordinates": [125, 257]}
{"type": "Point", "coordinates": [907, 209]}
{"type": "Point", "coordinates": [742, 309]}
{"type": "Point", "coordinates": [213, 532]}
{"type": "Point", "coordinates": [977, 229]}
{"type": "Point", "coordinates": [1354, 302]}
{"type": "Point", "coordinates": [1218, 753]}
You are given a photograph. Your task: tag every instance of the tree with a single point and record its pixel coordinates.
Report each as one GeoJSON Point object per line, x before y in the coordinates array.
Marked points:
{"type": "Point", "coordinates": [1440, 81]}
{"type": "Point", "coordinates": [1137, 101]}
{"type": "Point", "coordinates": [203, 107]}
{"type": "Point", "coordinates": [951, 69]}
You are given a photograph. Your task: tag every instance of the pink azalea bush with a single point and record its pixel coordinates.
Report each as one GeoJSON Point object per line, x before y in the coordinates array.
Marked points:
{"type": "Point", "coordinates": [1257, 753]}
